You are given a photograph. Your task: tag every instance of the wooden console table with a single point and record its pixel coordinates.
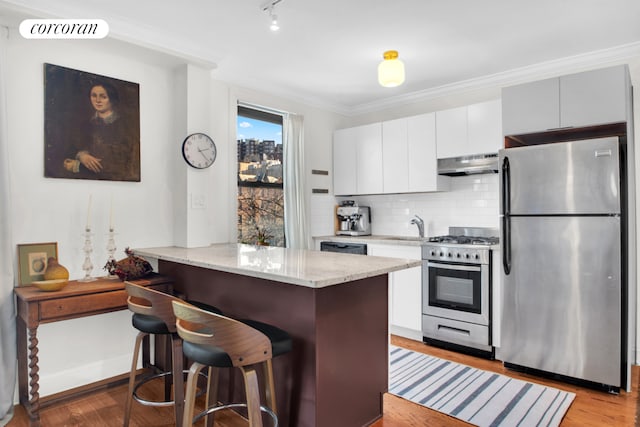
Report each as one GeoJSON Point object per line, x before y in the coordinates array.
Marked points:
{"type": "Point", "coordinates": [77, 299]}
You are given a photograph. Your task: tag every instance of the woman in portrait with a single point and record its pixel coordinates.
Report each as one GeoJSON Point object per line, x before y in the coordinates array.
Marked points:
{"type": "Point", "coordinates": [106, 146]}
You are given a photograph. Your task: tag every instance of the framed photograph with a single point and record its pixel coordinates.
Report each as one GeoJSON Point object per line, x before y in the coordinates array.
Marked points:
{"type": "Point", "coordinates": [32, 261]}
{"type": "Point", "coordinates": [91, 126]}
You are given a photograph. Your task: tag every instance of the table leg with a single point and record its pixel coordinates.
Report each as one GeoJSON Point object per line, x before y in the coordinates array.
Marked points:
{"type": "Point", "coordinates": [34, 386]}
{"type": "Point", "coordinates": [28, 377]}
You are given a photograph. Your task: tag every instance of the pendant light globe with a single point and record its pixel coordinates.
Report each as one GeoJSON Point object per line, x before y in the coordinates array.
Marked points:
{"type": "Point", "coordinates": [391, 70]}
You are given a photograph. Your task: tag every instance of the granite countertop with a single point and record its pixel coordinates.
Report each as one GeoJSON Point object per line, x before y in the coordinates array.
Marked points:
{"type": "Point", "coordinates": [308, 268]}
{"type": "Point", "coordinates": [378, 239]}
{"type": "Point", "coordinates": [388, 240]}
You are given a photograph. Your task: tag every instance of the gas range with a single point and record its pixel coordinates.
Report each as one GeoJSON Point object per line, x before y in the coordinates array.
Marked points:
{"type": "Point", "coordinates": [465, 240]}
{"type": "Point", "coordinates": [456, 293]}
{"type": "Point", "coordinates": [462, 244]}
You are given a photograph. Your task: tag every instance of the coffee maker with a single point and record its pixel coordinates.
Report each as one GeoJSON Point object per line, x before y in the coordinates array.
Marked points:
{"type": "Point", "coordinates": [353, 220]}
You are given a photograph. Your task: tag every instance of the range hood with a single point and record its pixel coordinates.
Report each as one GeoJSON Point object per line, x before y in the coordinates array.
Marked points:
{"type": "Point", "coordinates": [467, 165]}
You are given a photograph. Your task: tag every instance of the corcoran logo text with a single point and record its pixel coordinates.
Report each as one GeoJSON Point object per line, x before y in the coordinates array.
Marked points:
{"type": "Point", "coordinates": [64, 29]}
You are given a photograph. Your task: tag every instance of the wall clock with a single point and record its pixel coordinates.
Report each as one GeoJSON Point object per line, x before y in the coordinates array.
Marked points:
{"type": "Point", "coordinates": [199, 150]}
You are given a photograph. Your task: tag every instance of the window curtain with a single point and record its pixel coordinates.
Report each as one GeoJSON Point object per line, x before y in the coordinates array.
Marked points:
{"type": "Point", "coordinates": [7, 311]}
{"type": "Point", "coordinates": [296, 222]}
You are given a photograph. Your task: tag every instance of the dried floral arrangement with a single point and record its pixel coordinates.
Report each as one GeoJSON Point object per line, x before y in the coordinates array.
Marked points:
{"type": "Point", "coordinates": [129, 268]}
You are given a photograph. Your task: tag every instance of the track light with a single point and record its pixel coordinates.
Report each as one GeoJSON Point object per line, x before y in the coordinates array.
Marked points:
{"type": "Point", "coordinates": [268, 7]}
{"type": "Point", "coordinates": [274, 23]}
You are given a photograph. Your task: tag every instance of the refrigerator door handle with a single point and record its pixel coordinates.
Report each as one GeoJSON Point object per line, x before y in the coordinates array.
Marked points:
{"type": "Point", "coordinates": [506, 250]}
{"type": "Point", "coordinates": [506, 186]}
{"type": "Point", "coordinates": [506, 221]}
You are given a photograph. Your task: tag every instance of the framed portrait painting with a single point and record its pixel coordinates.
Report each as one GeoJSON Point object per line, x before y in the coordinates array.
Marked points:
{"type": "Point", "coordinates": [91, 126]}
{"type": "Point", "coordinates": [32, 261]}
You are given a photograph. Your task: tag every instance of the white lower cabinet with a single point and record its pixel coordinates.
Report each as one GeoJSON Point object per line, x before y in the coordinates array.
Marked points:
{"type": "Point", "coordinates": [405, 291]}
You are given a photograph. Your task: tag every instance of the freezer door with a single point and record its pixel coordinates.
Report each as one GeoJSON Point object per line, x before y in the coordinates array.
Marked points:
{"type": "Point", "coordinates": [578, 177]}
{"type": "Point", "coordinates": [561, 310]}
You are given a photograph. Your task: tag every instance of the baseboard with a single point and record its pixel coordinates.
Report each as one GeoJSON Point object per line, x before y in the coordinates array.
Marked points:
{"type": "Point", "coordinates": [411, 334]}
{"type": "Point", "coordinates": [83, 374]}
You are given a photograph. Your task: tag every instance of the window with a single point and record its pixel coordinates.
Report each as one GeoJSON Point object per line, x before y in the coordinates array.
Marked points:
{"type": "Point", "coordinates": [260, 186]}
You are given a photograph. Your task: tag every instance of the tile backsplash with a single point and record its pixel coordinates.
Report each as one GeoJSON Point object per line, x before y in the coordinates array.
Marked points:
{"type": "Point", "coordinates": [471, 202]}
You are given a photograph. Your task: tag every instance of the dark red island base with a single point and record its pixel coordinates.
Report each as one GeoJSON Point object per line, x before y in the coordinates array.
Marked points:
{"type": "Point", "coordinates": [337, 373]}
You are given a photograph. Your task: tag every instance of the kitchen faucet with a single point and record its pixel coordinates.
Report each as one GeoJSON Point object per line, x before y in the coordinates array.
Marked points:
{"type": "Point", "coordinates": [420, 223]}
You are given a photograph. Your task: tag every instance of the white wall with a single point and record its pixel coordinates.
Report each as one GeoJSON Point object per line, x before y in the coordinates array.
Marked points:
{"type": "Point", "coordinates": [472, 202]}
{"type": "Point", "coordinates": [45, 210]}
{"type": "Point", "coordinates": [175, 99]}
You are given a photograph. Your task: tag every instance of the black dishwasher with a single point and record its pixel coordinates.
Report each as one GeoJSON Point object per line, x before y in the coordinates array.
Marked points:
{"type": "Point", "coordinates": [349, 248]}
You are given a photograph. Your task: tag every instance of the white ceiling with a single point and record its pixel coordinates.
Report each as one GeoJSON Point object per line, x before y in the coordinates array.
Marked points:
{"type": "Point", "coordinates": [326, 52]}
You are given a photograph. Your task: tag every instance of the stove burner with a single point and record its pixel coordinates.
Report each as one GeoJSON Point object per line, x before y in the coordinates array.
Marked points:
{"type": "Point", "coordinates": [464, 240]}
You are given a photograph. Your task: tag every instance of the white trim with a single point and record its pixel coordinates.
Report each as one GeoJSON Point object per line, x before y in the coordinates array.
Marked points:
{"type": "Point", "coordinates": [515, 76]}
{"type": "Point", "coordinates": [262, 108]}
{"type": "Point", "coordinates": [401, 331]}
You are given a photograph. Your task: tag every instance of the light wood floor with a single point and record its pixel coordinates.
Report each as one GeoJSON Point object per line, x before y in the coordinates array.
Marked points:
{"type": "Point", "coordinates": [590, 408]}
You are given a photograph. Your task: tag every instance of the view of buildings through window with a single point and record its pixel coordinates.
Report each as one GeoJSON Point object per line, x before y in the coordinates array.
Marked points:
{"type": "Point", "coordinates": [260, 178]}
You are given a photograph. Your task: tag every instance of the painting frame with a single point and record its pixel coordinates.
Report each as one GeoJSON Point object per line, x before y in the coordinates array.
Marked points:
{"type": "Point", "coordinates": [32, 261]}
{"type": "Point", "coordinates": [91, 126]}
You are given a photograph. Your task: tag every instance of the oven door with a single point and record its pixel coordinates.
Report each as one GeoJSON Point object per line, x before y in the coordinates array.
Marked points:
{"type": "Point", "coordinates": [456, 291]}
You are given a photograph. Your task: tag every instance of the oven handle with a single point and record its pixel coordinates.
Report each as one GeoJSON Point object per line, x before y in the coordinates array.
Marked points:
{"type": "Point", "coordinates": [454, 267]}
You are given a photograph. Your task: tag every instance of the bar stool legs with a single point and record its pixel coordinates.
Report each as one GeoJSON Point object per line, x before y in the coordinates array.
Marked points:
{"type": "Point", "coordinates": [177, 379]}
{"type": "Point", "coordinates": [252, 390]}
{"type": "Point", "coordinates": [270, 387]}
{"type": "Point", "coordinates": [132, 377]}
{"type": "Point", "coordinates": [252, 393]}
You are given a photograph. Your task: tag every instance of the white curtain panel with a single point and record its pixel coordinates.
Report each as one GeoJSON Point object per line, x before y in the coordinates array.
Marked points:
{"type": "Point", "coordinates": [296, 218]}
{"type": "Point", "coordinates": [7, 311]}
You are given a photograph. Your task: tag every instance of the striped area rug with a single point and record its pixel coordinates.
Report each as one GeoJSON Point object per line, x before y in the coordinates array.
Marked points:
{"type": "Point", "coordinates": [478, 397]}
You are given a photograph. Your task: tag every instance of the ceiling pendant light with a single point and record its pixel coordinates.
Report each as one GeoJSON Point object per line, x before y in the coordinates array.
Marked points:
{"type": "Point", "coordinates": [391, 70]}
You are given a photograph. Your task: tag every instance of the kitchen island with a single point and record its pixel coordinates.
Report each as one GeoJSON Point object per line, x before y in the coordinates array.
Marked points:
{"type": "Point", "coordinates": [333, 305]}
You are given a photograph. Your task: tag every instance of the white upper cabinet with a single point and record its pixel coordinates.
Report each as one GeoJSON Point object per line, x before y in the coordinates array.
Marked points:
{"type": "Point", "coordinates": [531, 107]}
{"type": "Point", "coordinates": [451, 132]}
{"type": "Point", "coordinates": [357, 160]}
{"type": "Point", "coordinates": [344, 160]}
{"type": "Point", "coordinates": [469, 130]}
{"type": "Point", "coordinates": [409, 156]}
{"type": "Point", "coordinates": [585, 99]}
{"type": "Point", "coordinates": [594, 97]}
{"type": "Point", "coordinates": [395, 155]}
{"type": "Point", "coordinates": [422, 162]}
{"type": "Point", "coordinates": [369, 159]}
{"type": "Point", "coordinates": [484, 127]}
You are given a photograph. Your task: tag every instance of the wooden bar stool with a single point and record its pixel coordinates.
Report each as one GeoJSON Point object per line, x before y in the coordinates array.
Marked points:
{"type": "Point", "coordinates": [216, 341]}
{"type": "Point", "coordinates": [153, 315]}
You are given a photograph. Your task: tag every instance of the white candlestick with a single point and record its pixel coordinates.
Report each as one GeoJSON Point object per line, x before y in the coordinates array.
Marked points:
{"type": "Point", "coordinates": [89, 214]}
{"type": "Point", "coordinates": [111, 215]}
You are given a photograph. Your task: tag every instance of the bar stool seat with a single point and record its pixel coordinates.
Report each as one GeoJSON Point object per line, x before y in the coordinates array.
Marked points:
{"type": "Point", "coordinates": [153, 315]}
{"type": "Point", "coordinates": [213, 356]}
{"type": "Point", "coordinates": [216, 341]}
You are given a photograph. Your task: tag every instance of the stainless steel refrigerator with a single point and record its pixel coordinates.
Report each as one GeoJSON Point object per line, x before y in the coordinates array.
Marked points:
{"type": "Point", "coordinates": [563, 233]}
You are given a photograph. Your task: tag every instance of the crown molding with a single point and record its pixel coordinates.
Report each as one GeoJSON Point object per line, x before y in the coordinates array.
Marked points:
{"type": "Point", "coordinates": [543, 70]}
